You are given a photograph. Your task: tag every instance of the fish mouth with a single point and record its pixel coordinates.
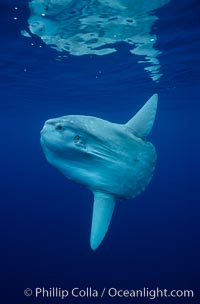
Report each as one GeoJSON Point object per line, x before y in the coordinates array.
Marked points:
{"type": "Point", "coordinates": [45, 143]}
{"type": "Point", "coordinates": [44, 128]}
{"type": "Point", "coordinates": [42, 131]}
{"type": "Point", "coordinates": [44, 138]}
{"type": "Point", "coordinates": [47, 127]}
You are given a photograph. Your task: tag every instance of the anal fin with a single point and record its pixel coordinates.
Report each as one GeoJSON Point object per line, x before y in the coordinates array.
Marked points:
{"type": "Point", "coordinates": [102, 213]}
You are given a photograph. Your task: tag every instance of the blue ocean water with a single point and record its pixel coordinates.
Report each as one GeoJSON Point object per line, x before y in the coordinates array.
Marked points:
{"type": "Point", "coordinates": [153, 240]}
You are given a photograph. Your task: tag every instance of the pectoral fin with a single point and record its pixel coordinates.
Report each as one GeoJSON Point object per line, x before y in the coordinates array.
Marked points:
{"type": "Point", "coordinates": [102, 213]}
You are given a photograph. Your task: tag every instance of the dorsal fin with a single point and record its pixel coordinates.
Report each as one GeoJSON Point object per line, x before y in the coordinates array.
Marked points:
{"type": "Point", "coordinates": [142, 122]}
{"type": "Point", "coordinates": [102, 213]}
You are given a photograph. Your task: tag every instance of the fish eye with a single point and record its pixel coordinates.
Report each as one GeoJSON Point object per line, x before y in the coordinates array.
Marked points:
{"type": "Point", "coordinates": [59, 127]}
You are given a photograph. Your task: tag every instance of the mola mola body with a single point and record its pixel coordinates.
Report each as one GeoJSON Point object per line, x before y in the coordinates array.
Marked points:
{"type": "Point", "coordinates": [114, 161]}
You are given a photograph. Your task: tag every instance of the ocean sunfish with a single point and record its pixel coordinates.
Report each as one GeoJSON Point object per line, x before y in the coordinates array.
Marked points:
{"type": "Point", "coordinates": [115, 161]}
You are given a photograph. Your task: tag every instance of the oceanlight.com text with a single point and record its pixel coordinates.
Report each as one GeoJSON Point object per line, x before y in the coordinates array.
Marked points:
{"type": "Point", "coordinates": [111, 292]}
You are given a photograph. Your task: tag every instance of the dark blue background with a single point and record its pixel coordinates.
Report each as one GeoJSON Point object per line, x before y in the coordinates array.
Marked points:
{"type": "Point", "coordinates": [45, 219]}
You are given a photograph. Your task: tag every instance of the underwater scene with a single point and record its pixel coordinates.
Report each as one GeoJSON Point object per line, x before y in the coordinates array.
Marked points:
{"type": "Point", "coordinates": [99, 112]}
